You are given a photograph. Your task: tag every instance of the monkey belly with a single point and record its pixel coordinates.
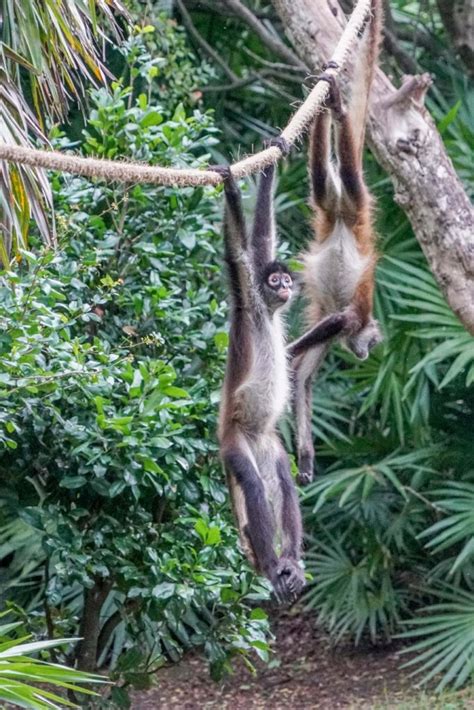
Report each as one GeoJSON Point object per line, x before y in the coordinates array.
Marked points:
{"type": "Point", "coordinates": [263, 397]}
{"type": "Point", "coordinates": [333, 269]}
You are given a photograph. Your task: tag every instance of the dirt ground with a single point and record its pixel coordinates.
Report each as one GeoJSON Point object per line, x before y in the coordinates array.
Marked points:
{"type": "Point", "coordinates": [305, 672]}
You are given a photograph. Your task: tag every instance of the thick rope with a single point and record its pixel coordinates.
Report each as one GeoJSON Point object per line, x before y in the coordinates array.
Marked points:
{"type": "Point", "coordinates": [116, 170]}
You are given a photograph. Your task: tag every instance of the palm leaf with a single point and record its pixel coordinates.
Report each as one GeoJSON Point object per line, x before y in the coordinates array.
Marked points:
{"type": "Point", "coordinates": [446, 647]}
{"type": "Point", "coordinates": [55, 42]}
{"type": "Point", "coordinates": [457, 499]}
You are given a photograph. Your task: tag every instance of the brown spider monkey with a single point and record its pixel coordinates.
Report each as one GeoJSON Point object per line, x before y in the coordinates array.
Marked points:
{"type": "Point", "coordinates": [338, 276]}
{"type": "Point", "coordinates": [256, 391]}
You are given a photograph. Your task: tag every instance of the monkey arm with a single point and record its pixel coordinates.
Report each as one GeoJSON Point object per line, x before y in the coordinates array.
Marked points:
{"type": "Point", "coordinates": [235, 231]}
{"type": "Point", "coordinates": [263, 232]}
{"type": "Point", "coordinates": [236, 240]}
{"type": "Point", "coordinates": [327, 328]}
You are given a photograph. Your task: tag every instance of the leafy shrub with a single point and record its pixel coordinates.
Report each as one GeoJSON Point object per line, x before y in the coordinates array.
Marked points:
{"type": "Point", "coordinates": [112, 359]}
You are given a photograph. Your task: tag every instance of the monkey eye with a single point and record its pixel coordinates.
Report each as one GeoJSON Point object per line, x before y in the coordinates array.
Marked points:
{"type": "Point", "coordinates": [273, 279]}
{"type": "Point", "coordinates": [287, 280]}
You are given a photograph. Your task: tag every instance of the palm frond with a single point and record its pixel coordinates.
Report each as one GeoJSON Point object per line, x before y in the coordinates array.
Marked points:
{"type": "Point", "coordinates": [55, 43]}
{"type": "Point", "coordinates": [424, 306]}
{"type": "Point", "coordinates": [359, 482]}
{"type": "Point", "coordinates": [352, 597]}
{"type": "Point", "coordinates": [446, 647]}
{"type": "Point", "coordinates": [457, 528]}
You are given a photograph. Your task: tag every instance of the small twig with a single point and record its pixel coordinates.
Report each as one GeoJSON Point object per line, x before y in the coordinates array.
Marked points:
{"type": "Point", "coordinates": [246, 80]}
{"type": "Point", "coordinates": [277, 66]}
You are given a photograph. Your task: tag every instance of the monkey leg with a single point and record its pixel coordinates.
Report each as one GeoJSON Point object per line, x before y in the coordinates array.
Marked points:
{"type": "Point", "coordinates": [305, 367]}
{"type": "Point", "coordinates": [290, 577]}
{"type": "Point", "coordinates": [327, 328]}
{"type": "Point", "coordinates": [367, 338]}
{"type": "Point", "coordinates": [323, 186]}
{"type": "Point", "coordinates": [254, 517]}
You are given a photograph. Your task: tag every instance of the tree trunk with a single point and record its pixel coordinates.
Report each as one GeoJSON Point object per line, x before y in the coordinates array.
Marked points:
{"type": "Point", "coordinates": [406, 143]}
{"type": "Point", "coordinates": [458, 20]}
{"type": "Point", "coordinates": [89, 630]}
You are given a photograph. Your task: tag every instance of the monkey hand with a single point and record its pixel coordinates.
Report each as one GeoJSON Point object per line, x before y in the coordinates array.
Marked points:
{"type": "Point", "coordinates": [278, 142]}
{"type": "Point", "coordinates": [288, 580]}
{"type": "Point", "coordinates": [333, 100]}
{"type": "Point", "coordinates": [226, 174]}
{"type": "Point", "coordinates": [304, 478]}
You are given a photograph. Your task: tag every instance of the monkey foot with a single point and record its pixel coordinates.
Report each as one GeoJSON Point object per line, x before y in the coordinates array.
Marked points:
{"type": "Point", "coordinates": [333, 100]}
{"type": "Point", "coordinates": [278, 142]}
{"type": "Point", "coordinates": [304, 478]}
{"type": "Point", "coordinates": [362, 342]}
{"type": "Point", "coordinates": [305, 466]}
{"type": "Point", "coordinates": [288, 581]}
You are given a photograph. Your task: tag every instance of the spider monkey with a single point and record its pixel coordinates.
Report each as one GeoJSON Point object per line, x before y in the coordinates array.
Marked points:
{"type": "Point", "coordinates": [256, 392]}
{"type": "Point", "coordinates": [338, 276]}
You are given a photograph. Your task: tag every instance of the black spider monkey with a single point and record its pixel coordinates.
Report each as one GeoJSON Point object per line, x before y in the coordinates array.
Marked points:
{"type": "Point", "coordinates": [256, 391]}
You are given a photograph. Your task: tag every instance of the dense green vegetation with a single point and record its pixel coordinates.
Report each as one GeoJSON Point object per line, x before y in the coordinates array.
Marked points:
{"type": "Point", "coordinates": [115, 518]}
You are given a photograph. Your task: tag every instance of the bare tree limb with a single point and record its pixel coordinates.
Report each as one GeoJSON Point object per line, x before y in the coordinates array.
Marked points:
{"type": "Point", "coordinates": [205, 46]}
{"type": "Point", "coordinates": [392, 46]}
{"type": "Point", "coordinates": [406, 143]}
{"type": "Point", "coordinates": [252, 78]}
{"type": "Point", "coordinates": [277, 66]}
{"type": "Point", "coordinates": [217, 6]}
{"type": "Point", "coordinates": [270, 40]}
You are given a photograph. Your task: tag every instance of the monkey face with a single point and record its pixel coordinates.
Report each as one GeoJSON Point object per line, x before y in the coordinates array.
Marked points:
{"type": "Point", "coordinates": [277, 286]}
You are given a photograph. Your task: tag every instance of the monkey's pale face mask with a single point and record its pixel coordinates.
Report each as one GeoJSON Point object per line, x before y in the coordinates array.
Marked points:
{"type": "Point", "coordinates": [277, 286]}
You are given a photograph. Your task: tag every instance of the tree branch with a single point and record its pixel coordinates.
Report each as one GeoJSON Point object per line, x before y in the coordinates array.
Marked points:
{"type": "Point", "coordinates": [406, 143]}
{"type": "Point", "coordinates": [240, 83]}
{"type": "Point", "coordinates": [391, 45]}
{"type": "Point", "coordinates": [270, 40]}
{"type": "Point", "coordinates": [201, 42]}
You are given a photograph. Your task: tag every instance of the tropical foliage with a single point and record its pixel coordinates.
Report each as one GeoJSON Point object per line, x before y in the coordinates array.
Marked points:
{"type": "Point", "coordinates": [20, 672]}
{"type": "Point", "coordinates": [112, 358]}
{"type": "Point", "coordinates": [48, 53]}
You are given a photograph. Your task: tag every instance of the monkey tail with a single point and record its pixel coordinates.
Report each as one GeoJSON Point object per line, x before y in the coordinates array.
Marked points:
{"type": "Point", "coordinates": [363, 74]}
